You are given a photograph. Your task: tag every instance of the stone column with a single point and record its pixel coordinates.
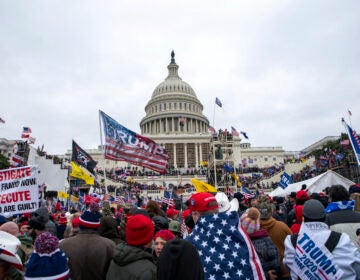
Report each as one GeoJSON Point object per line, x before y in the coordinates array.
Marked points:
{"type": "Point", "coordinates": [185, 156]}
{"type": "Point", "coordinates": [175, 163]}
{"type": "Point", "coordinates": [173, 124]}
{"type": "Point", "coordinates": [200, 152]}
{"type": "Point", "coordinates": [196, 155]}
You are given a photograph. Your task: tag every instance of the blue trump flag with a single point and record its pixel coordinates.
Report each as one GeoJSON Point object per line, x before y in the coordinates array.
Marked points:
{"type": "Point", "coordinates": [285, 180]}
{"type": "Point", "coordinates": [354, 140]}
{"type": "Point", "coordinates": [225, 250]}
{"type": "Point", "coordinates": [122, 144]}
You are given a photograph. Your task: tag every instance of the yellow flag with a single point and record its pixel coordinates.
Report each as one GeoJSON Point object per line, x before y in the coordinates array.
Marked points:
{"type": "Point", "coordinates": [73, 198]}
{"type": "Point", "coordinates": [200, 186]}
{"type": "Point", "coordinates": [62, 195]}
{"type": "Point", "coordinates": [236, 178]}
{"type": "Point", "coordinates": [303, 160]}
{"type": "Point", "coordinates": [80, 173]}
{"type": "Point", "coordinates": [204, 163]}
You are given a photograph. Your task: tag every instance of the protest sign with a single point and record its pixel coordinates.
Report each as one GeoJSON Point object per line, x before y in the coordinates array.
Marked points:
{"type": "Point", "coordinates": [19, 190]}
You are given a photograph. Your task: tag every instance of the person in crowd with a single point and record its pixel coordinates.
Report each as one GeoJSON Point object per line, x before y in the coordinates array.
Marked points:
{"type": "Point", "coordinates": [131, 260]}
{"type": "Point", "coordinates": [153, 209]}
{"type": "Point", "coordinates": [277, 231]}
{"type": "Point", "coordinates": [175, 228]}
{"type": "Point", "coordinates": [280, 213]}
{"type": "Point", "coordinates": [160, 223]}
{"type": "Point", "coordinates": [241, 199]}
{"type": "Point", "coordinates": [160, 239]}
{"type": "Point", "coordinates": [11, 266]}
{"type": "Point", "coordinates": [61, 226]}
{"type": "Point", "coordinates": [109, 229]}
{"type": "Point", "coordinates": [40, 222]}
{"type": "Point", "coordinates": [214, 234]}
{"type": "Point", "coordinates": [290, 203]}
{"type": "Point", "coordinates": [179, 260]}
{"type": "Point", "coordinates": [295, 215]}
{"type": "Point", "coordinates": [3, 220]}
{"type": "Point", "coordinates": [333, 254]}
{"type": "Point", "coordinates": [265, 248]}
{"type": "Point", "coordinates": [340, 214]}
{"type": "Point", "coordinates": [47, 261]}
{"type": "Point", "coordinates": [97, 249]}
{"type": "Point", "coordinates": [172, 213]}
{"type": "Point", "coordinates": [10, 227]}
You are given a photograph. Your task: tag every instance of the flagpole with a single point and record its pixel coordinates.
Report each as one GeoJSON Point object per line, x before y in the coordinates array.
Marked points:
{"type": "Point", "coordinates": [214, 117]}
{"type": "Point", "coordinates": [349, 114]}
{"type": "Point", "coordinates": [103, 153]}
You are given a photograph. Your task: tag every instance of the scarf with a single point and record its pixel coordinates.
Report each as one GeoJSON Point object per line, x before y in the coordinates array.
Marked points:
{"type": "Point", "coordinates": [340, 205]}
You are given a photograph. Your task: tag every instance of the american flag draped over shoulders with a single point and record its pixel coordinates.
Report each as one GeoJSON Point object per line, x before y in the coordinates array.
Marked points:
{"type": "Point", "coordinates": [226, 251]}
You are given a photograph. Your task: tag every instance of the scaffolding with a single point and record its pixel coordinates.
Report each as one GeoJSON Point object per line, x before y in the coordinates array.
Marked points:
{"type": "Point", "coordinates": [221, 167]}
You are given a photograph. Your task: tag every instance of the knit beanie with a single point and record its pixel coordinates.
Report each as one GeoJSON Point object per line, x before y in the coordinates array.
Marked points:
{"type": "Point", "coordinates": [314, 210]}
{"type": "Point", "coordinates": [47, 261]}
{"type": "Point", "coordinates": [139, 230]}
{"type": "Point", "coordinates": [90, 219]}
{"type": "Point", "coordinates": [250, 220]}
{"type": "Point", "coordinates": [164, 234]}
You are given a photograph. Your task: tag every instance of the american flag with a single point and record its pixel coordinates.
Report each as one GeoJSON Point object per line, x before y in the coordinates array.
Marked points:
{"type": "Point", "coordinates": [244, 134]}
{"type": "Point", "coordinates": [218, 102]}
{"type": "Point", "coordinates": [212, 130]}
{"type": "Point", "coordinates": [122, 144]}
{"type": "Point", "coordinates": [182, 119]}
{"type": "Point", "coordinates": [26, 132]}
{"type": "Point", "coordinates": [234, 131]}
{"type": "Point", "coordinates": [247, 193]}
{"type": "Point", "coordinates": [16, 161]}
{"type": "Point", "coordinates": [225, 250]}
{"type": "Point", "coordinates": [167, 199]}
{"type": "Point", "coordinates": [119, 200]}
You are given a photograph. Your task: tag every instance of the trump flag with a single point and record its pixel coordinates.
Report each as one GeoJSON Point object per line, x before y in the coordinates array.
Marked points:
{"type": "Point", "coordinates": [123, 144]}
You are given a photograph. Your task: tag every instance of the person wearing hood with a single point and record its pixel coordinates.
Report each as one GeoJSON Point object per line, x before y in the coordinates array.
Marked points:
{"type": "Point", "coordinates": [264, 246]}
{"type": "Point", "coordinates": [131, 259]}
{"type": "Point", "coordinates": [108, 229]}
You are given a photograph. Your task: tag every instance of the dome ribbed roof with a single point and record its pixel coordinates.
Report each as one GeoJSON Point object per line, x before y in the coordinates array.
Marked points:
{"type": "Point", "coordinates": [173, 83]}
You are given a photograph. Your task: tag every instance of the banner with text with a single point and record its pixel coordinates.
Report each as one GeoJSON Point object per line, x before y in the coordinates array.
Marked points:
{"type": "Point", "coordinates": [19, 190]}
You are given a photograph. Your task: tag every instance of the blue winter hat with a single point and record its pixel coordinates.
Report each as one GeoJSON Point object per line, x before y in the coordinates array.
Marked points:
{"type": "Point", "coordinates": [47, 261]}
{"type": "Point", "coordinates": [91, 217]}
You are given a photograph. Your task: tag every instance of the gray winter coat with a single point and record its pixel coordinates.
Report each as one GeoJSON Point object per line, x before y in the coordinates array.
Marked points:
{"type": "Point", "coordinates": [131, 263]}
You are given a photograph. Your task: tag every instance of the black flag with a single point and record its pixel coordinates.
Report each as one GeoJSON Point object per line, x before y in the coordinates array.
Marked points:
{"type": "Point", "coordinates": [82, 158]}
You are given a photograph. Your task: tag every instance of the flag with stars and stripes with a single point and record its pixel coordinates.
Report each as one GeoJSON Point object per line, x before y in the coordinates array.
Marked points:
{"type": "Point", "coordinates": [225, 250]}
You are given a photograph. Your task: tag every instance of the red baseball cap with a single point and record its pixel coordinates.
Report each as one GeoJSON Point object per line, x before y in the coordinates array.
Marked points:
{"type": "Point", "coordinates": [171, 212]}
{"type": "Point", "coordinates": [202, 202]}
{"type": "Point", "coordinates": [302, 195]}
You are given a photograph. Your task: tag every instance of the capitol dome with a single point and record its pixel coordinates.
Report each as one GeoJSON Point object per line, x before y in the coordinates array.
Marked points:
{"type": "Point", "coordinates": [174, 107]}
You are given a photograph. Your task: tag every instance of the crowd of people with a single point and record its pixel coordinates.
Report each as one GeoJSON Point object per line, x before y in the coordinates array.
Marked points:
{"type": "Point", "coordinates": [208, 236]}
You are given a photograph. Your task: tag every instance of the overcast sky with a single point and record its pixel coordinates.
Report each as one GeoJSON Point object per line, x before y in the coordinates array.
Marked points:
{"type": "Point", "coordinates": [285, 71]}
